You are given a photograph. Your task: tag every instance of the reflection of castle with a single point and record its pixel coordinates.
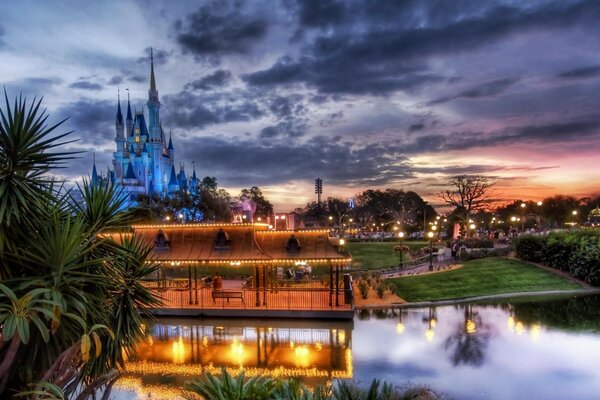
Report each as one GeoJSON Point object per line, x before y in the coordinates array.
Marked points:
{"type": "Point", "coordinates": [316, 353]}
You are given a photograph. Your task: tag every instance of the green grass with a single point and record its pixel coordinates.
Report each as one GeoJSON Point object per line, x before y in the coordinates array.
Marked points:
{"type": "Point", "coordinates": [374, 255]}
{"type": "Point", "coordinates": [479, 278]}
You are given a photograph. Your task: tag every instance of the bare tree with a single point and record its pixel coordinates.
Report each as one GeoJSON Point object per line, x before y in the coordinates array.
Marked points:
{"type": "Point", "coordinates": [469, 193]}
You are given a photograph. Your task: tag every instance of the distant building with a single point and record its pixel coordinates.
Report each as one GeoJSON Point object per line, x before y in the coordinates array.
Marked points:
{"type": "Point", "coordinates": [144, 162]}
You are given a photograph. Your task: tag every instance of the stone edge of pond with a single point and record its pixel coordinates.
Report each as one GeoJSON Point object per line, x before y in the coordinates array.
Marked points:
{"type": "Point", "coordinates": [461, 300]}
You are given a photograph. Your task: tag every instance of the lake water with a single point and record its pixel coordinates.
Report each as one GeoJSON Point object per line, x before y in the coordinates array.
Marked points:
{"type": "Point", "coordinates": [520, 350]}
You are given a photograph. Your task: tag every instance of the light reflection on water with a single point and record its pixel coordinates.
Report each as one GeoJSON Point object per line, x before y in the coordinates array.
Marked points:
{"type": "Point", "coordinates": [530, 350]}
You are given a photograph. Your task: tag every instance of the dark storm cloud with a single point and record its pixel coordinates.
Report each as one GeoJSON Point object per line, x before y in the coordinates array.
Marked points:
{"type": "Point", "coordinates": [486, 89]}
{"type": "Point", "coordinates": [2, 33]}
{"type": "Point", "coordinates": [589, 71]}
{"type": "Point", "coordinates": [115, 80]}
{"type": "Point", "coordinates": [379, 58]}
{"type": "Point", "coordinates": [188, 110]}
{"type": "Point", "coordinates": [287, 106]}
{"type": "Point", "coordinates": [560, 132]}
{"type": "Point", "coordinates": [85, 85]}
{"type": "Point", "coordinates": [250, 162]}
{"type": "Point", "coordinates": [290, 128]}
{"type": "Point", "coordinates": [217, 79]}
{"type": "Point", "coordinates": [92, 121]}
{"type": "Point", "coordinates": [416, 127]}
{"type": "Point", "coordinates": [321, 13]}
{"type": "Point", "coordinates": [32, 86]}
{"type": "Point", "coordinates": [137, 79]}
{"type": "Point", "coordinates": [476, 169]}
{"type": "Point", "coordinates": [332, 119]}
{"type": "Point", "coordinates": [220, 28]}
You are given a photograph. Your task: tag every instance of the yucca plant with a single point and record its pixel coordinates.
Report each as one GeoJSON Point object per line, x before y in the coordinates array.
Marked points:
{"type": "Point", "coordinates": [70, 298]}
{"type": "Point", "coordinates": [227, 387]}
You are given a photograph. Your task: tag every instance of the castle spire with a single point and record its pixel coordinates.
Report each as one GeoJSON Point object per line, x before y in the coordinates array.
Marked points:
{"type": "Point", "coordinates": [129, 117]}
{"type": "Point", "coordinates": [94, 171]}
{"type": "Point", "coordinates": [119, 113]}
{"type": "Point", "coordinates": [152, 79]}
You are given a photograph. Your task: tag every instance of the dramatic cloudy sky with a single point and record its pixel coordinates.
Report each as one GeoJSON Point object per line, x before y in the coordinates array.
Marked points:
{"type": "Point", "coordinates": [364, 94]}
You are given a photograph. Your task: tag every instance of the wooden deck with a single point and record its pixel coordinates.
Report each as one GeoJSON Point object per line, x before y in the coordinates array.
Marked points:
{"type": "Point", "coordinates": [280, 302]}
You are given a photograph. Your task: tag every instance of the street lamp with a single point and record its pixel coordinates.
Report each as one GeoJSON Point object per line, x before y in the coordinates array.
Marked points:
{"type": "Point", "coordinates": [539, 215]}
{"type": "Point", "coordinates": [342, 242]}
{"type": "Point", "coordinates": [430, 236]}
{"type": "Point", "coordinates": [471, 227]}
{"type": "Point", "coordinates": [401, 236]}
{"type": "Point", "coordinates": [523, 205]}
{"type": "Point", "coordinates": [180, 217]}
{"type": "Point", "coordinates": [574, 212]}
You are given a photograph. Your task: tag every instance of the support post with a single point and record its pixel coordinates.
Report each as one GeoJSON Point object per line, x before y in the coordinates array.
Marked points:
{"type": "Point", "coordinates": [256, 284]}
{"type": "Point", "coordinates": [190, 283]}
{"type": "Point", "coordinates": [196, 283]}
{"type": "Point", "coordinates": [337, 285]}
{"type": "Point", "coordinates": [330, 284]}
{"type": "Point", "coordinates": [264, 285]}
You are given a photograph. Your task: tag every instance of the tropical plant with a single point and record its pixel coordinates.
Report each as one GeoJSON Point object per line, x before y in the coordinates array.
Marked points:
{"type": "Point", "coordinates": [70, 300]}
{"type": "Point", "coordinates": [226, 387]}
{"type": "Point", "coordinates": [363, 287]}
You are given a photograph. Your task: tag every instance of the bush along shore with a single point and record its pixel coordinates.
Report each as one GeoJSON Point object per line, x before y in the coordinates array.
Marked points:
{"type": "Point", "coordinates": [227, 387]}
{"type": "Point", "coordinates": [576, 253]}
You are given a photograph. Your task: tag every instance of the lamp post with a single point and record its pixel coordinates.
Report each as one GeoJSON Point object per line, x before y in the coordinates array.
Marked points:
{"type": "Point", "coordinates": [430, 236]}
{"type": "Point", "coordinates": [180, 217]}
{"type": "Point", "coordinates": [342, 243]}
{"type": "Point", "coordinates": [523, 205]}
{"type": "Point", "coordinates": [401, 236]}
{"type": "Point", "coordinates": [539, 215]}
{"type": "Point", "coordinates": [574, 213]}
{"type": "Point", "coordinates": [471, 227]}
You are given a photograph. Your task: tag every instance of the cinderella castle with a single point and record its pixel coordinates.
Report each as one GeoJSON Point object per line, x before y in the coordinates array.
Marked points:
{"type": "Point", "coordinates": [144, 163]}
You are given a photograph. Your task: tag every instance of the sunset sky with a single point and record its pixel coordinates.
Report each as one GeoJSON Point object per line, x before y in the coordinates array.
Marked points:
{"type": "Point", "coordinates": [364, 94]}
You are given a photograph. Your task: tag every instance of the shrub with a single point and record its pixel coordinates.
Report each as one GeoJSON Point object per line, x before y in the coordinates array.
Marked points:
{"type": "Point", "coordinates": [381, 289]}
{"type": "Point", "coordinates": [478, 243]}
{"type": "Point", "coordinates": [531, 248]}
{"type": "Point", "coordinates": [363, 287]}
{"type": "Point", "coordinates": [576, 252]}
{"type": "Point", "coordinates": [483, 253]}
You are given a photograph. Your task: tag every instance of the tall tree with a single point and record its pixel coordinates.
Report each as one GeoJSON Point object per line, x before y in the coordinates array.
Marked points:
{"type": "Point", "coordinates": [263, 206]}
{"type": "Point", "coordinates": [468, 194]}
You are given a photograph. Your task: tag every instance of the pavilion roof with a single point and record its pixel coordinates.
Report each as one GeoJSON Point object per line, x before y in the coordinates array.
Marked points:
{"type": "Point", "coordinates": [248, 244]}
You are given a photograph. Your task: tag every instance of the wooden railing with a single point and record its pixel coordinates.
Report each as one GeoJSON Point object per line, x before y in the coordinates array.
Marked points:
{"type": "Point", "coordinates": [275, 299]}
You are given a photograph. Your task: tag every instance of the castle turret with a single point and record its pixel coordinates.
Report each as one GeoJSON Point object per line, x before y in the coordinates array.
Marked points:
{"type": "Point", "coordinates": [153, 104]}
{"type": "Point", "coordinates": [173, 185]}
{"type": "Point", "coordinates": [171, 148]}
{"type": "Point", "coordinates": [129, 119]}
{"type": "Point", "coordinates": [119, 119]}
{"type": "Point", "coordinates": [182, 178]}
{"type": "Point", "coordinates": [95, 178]}
{"type": "Point", "coordinates": [119, 140]}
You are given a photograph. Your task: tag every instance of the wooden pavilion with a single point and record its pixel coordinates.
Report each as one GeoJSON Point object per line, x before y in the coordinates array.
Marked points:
{"type": "Point", "coordinates": [280, 262]}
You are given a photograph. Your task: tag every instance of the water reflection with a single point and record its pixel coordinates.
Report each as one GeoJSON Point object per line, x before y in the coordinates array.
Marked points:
{"type": "Point", "coordinates": [518, 350]}
{"type": "Point", "coordinates": [467, 345]}
{"type": "Point", "coordinates": [178, 350]}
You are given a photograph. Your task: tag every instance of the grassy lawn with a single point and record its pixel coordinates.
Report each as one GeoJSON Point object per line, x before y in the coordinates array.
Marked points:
{"type": "Point", "coordinates": [374, 255]}
{"type": "Point", "coordinates": [478, 278]}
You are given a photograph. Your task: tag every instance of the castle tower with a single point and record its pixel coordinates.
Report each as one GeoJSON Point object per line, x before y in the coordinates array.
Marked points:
{"type": "Point", "coordinates": [119, 140]}
{"type": "Point", "coordinates": [143, 162]}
